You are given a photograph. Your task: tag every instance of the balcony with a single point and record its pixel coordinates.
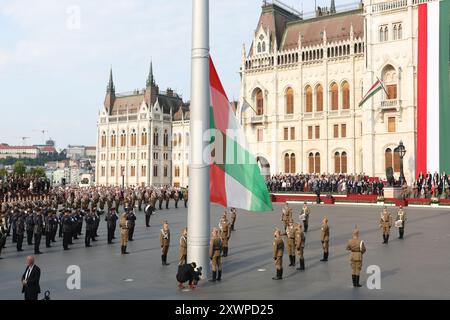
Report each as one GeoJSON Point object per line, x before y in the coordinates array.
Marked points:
{"type": "Point", "coordinates": [389, 104]}
{"type": "Point", "coordinates": [258, 119]}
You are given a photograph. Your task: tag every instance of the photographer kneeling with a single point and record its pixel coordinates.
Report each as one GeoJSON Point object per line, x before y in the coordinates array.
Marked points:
{"type": "Point", "coordinates": [188, 273]}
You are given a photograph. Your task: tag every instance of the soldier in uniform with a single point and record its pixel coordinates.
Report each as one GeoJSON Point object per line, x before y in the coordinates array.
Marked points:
{"type": "Point", "coordinates": [38, 230]}
{"type": "Point", "coordinates": [164, 240]}
{"type": "Point", "coordinates": [90, 229]}
{"type": "Point", "coordinates": [53, 226]}
{"type": "Point", "coordinates": [66, 227]}
{"type": "Point", "coordinates": [3, 235]}
{"type": "Point", "coordinates": [176, 198]}
{"type": "Point", "coordinates": [48, 229]}
{"type": "Point", "coordinates": [290, 234]}
{"type": "Point", "coordinates": [401, 216]}
{"type": "Point", "coordinates": [160, 199]}
{"type": "Point", "coordinates": [186, 196]}
{"type": "Point", "coordinates": [215, 249]}
{"type": "Point", "coordinates": [278, 251]}
{"type": "Point", "coordinates": [167, 198]}
{"type": "Point", "coordinates": [233, 218]}
{"type": "Point", "coordinates": [225, 233]}
{"type": "Point", "coordinates": [131, 217]}
{"type": "Point", "coordinates": [29, 226]}
{"type": "Point", "coordinates": [286, 215]}
{"type": "Point", "coordinates": [357, 249]}
{"type": "Point", "coordinates": [139, 199]}
{"type": "Point", "coordinates": [148, 214]}
{"type": "Point", "coordinates": [305, 216]}
{"type": "Point", "coordinates": [20, 231]}
{"type": "Point", "coordinates": [183, 247]}
{"type": "Point", "coordinates": [325, 238]}
{"type": "Point", "coordinates": [385, 225]}
{"type": "Point", "coordinates": [123, 224]}
{"type": "Point", "coordinates": [300, 245]}
{"type": "Point", "coordinates": [111, 220]}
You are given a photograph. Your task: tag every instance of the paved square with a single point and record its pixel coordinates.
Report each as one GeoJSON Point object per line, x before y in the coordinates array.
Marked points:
{"type": "Point", "coordinates": [415, 268]}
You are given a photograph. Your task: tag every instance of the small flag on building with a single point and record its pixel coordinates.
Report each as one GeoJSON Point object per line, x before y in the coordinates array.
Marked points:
{"type": "Point", "coordinates": [235, 176]}
{"type": "Point", "coordinates": [377, 86]}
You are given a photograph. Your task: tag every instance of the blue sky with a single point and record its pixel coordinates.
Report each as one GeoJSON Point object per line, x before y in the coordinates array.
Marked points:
{"type": "Point", "coordinates": [54, 67]}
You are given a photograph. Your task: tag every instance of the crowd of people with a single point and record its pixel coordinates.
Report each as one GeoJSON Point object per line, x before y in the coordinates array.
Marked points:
{"type": "Point", "coordinates": [22, 186]}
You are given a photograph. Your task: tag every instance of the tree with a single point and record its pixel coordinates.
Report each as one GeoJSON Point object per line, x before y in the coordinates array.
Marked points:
{"type": "Point", "coordinates": [3, 172]}
{"type": "Point", "coordinates": [37, 171]}
{"type": "Point", "coordinates": [19, 168]}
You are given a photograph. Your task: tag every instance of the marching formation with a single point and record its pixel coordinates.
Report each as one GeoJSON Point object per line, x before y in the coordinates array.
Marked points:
{"type": "Point", "coordinates": [296, 240]}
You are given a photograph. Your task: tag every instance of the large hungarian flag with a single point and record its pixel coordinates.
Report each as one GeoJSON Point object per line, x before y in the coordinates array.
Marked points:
{"type": "Point", "coordinates": [377, 86]}
{"type": "Point", "coordinates": [433, 88]}
{"type": "Point", "coordinates": [235, 177]}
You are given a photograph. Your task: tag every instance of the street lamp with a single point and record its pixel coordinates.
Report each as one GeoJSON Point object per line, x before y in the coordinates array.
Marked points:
{"type": "Point", "coordinates": [401, 152]}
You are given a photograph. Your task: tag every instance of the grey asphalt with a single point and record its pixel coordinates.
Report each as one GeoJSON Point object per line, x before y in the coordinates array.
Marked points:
{"type": "Point", "coordinates": [414, 268]}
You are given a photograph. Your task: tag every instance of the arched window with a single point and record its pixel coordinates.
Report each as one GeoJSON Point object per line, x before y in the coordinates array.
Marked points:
{"type": "Point", "coordinates": [155, 137]}
{"type": "Point", "coordinates": [337, 162]}
{"type": "Point", "coordinates": [289, 97]}
{"type": "Point", "coordinates": [400, 32]}
{"type": "Point", "coordinates": [263, 47]}
{"type": "Point", "coordinates": [287, 167]}
{"type": "Point", "coordinates": [344, 162]}
{"type": "Point", "coordinates": [259, 47]}
{"type": "Point", "coordinates": [311, 163]}
{"type": "Point", "coordinates": [317, 163]}
{"type": "Point", "coordinates": [174, 140]}
{"type": "Point", "coordinates": [308, 99]}
{"type": "Point", "coordinates": [388, 158]}
{"type": "Point", "coordinates": [334, 93]}
{"type": "Point", "coordinates": [180, 140]}
{"type": "Point", "coordinates": [259, 102]}
{"type": "Point", "coordinates": [113, 139]}
{"type": "Point", "coordinates": [381, 34]}
{"type": "Point", "coordinates": [386, 34]}
{"type": "Point", "coordinates": [166, 138]}
{"type": "Point", "coordinates": [396, 161]}
{"type": "Point", "coordinates": [103, 140]}
{"type": "Point", "coordinates": [293, 163]}
{"type": "Point", "coordinates": [133, 138]}
{"type": "Point", "coordinates": [395, 32]}
{"type": "Point", "coordinates": [187, 139]}
{"type": "Point", "coordinates": [123, 139]}
{"type": "Point", "coordinates": [319, 98]}
{"type": "Point", "coordinates": [390, 82]}
{"type": "Point", "coordinates": [144, 138]}
{"type": "Point", "coordinates": [345, 95]}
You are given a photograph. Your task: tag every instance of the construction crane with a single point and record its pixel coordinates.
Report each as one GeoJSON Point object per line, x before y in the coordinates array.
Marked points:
{"type": "Point", "coordinates": [43, 132]}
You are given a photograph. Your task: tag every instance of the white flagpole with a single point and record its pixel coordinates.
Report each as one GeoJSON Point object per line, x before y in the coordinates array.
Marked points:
{"type": "Point", "coordinates": [199, 205]}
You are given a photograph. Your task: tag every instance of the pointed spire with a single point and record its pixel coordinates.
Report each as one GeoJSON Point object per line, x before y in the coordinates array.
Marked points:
{"type": "Point", "coordinates": [110, 88]}
{"type": "Point", "coordinates": [150, 79]}
{"type": "Point", "coordinates": [332, 7]}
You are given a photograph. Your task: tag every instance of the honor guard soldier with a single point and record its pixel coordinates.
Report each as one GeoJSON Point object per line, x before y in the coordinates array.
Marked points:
{"type": "Point", "coordinates": [300, 245]}
{"type": "Point", "coordinates": [90, 229]}
{"type": "Point", "coordinates": [286, 215]}
{"type": "Point", "coordinates": [29, 226]}
{"type": "Point", "coordinates": [176, 197]}
{"type": "Point", "coordinates": [96, 224]}
{"type": "Point", "coordinates": [325, 238]}
{"type": "Point", "coordinates": [54, 226]}
{"type": "Point", "coordinates": [131, 217]}
{"type": "Point", "coordinates": [385, 225]}
{"type": "Point", "coordinates": [167, 198]}
{"type": "Point", "coordinates": [290, 234]}
{"type": "Point", "coordinates": [160, 199]}
{"type": "Point", "coordinates": [401, 220]}
{"type": "Point", "coordinates": [111, 221]}
{"type": "Point", "coordinates": [48, 229]}
{"type": "Point", "coordinates": [304, 216]}
{"type": "Point", "coordinates": [123, 224]}
{"type": "Point", "coordinates": [148, 214]}
{"type": "Point", "coordinates": [164, 240]}
{"type": "Point", "coordinates": [225, 233]}
{"type": "Point", "coordinates": [20, 230]}
{"type": "Point", "coordinates": [357, 249]}
{"type": "Point", "coordinates": [139, 199]}
{"type": "Point", "coordinates": [215, 250]}
{"type": "Point", "coordinates": [278, 251]}
{"type": "Point", "coordinates": [186, 196]}
{"type": "Point", "coordinates": [233, 218]}
{"type": "Point", "coordinates": [183, 247]}
{"type": "Point", "coordinates": [38, 230]}
{"type": "Point", "coordinates": [66, 222]}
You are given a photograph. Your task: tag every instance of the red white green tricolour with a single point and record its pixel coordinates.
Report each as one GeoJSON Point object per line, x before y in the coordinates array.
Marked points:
{"type": "Point", "coordinates": [235, 177]}
{"type": "Point", "coordinates": [433, 87]}
{"type": "Point", "coordinates": [377, 86]}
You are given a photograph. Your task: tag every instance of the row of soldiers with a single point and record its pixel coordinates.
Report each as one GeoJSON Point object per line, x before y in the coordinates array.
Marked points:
{"type": "Point", "coordinates": [296, 240]}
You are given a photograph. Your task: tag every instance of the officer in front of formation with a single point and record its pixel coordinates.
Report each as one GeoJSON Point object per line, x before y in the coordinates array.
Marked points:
{"type": "Point", "coordinates": [385, 225]}
{"type": "Point", "coordinates": [90, 229]}
{"type": "Point", "coordinates": [325, 238]}
{"type": "Point", "coordinates": [233, 218]}
{"type": "Point", "coordinates": [286, 215]}
{"type": "Point", "coordinates": [401, 216]}
{"type": "Point", "coordinates": [29, 226]}
{"type": "Point", "coordinates": [123, 224]}
{"type": "Point", "coordinates": [131, 217]}
{"type": "Point", "coordinates": [300, 245]}
{"type": "Point", "coordinates": [164, 240]}
{"type": "Point", "coordinates": [290, 234]}
{"type": "Point", "coordinates": [304, 216]}
{"type": "Point", "coordinates": [66, 227]}
{"type": "Point", "coordinates": [183, 247]}
{"type": "Point", "coordinates": [111, 222]}
{"type": "Point", "coordinates": [149, 209]}
{"type": "Point", "coordinates": [215, 250]}
{"type": "Point", "coordinates": [357, 249]}
{"type": "Point", "coordinates": [278, 251]}
{"type": "Point", "coordinates": [38, 230]}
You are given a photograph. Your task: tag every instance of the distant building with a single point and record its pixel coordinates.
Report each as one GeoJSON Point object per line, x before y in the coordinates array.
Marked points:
{"type": "Point", "coordinates": [48, 148]}
{"type": "Point", "coordinates": [19, 152]}
{"type": "Point", "coordinates": [80, 152]}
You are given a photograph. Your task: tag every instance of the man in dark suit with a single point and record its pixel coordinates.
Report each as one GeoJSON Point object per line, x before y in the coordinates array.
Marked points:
{"type": "Point", "coordinates": [30, 280]}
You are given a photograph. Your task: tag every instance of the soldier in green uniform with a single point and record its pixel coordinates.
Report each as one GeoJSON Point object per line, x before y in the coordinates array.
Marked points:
{"type": "Point", "coordinates": [325, 238]}
{"type": "Point", "coordinates": [401, 220]}
{"type": "Point", "coordinates": [385, 225]}
{"type": "Point", "coordinates": [186, 196]}
{"type": "Point", "coordinates": [183, 247]}
{"type": "Point", "coordinates": [278, 251]}
{"type": "Point", "coordinates": [215, 249]}
{"type": "Point", "coordinates": [164, 240]}
{"type": "Point", "coordinates": [357, 249]}
{"type": "Point", "coordinates": [286, 215]}
{"type": "Point", "coordinates": [300, 245]}
{"type": "Point", "coordinates": [225, 233]}
{"type": "Point", "coordinates": [233, 218]}
{"type": "Point", "coordinates": [123, 224]}
{"type": "Point", "coordinates": [290, 234]}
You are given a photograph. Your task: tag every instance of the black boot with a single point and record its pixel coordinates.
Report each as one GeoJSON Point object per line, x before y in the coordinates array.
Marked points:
{"type": "Point", "coordinates": [290, 261]}
{"type": "Point", "coordinates": [277, 277]}
{"type": "Point", "coordinates": [354, 280]}
{"type": "Point", "coordinates": [219, 275]}
{"type": "Point", "coordinates": [214, 274]}
{"type": "Point", "coordinates": [387, 239]}
{"type": "Point", "coordinates": [325, 257]}
{"type": "Point", "coordinates": [162, 260]}
{"type": "Point", "coordinates": [293, 260]}
{"type": "Point", "coordinates": [402, 231]}
{"type": "Point", "coordinates": [125, 250]}
{"type": "Point", "coordinates": [121, 249]}
{"type": "Point", "coordinates": [281, 274]}
{"type": "Point", "coordinates": [302, 264]}
{"type": "Point", "coordinates": [165, 260]}
{"type": "Point", "coordinates": [357, 285]}
{"type": "Point", "coordinates": [384, 238]}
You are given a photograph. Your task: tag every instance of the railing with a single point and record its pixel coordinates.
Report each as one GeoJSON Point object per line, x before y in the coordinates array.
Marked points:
{"type": "Point", "coordinates": [288, 116]}
{"type": "Point", "coordinates": [258, 119]}
{"type": "Point", "coordinates": [167, 117]}
{"type": "Point", "coordinates": [388, 104]}
{"type": "Point", "coordinates": [389, 5]}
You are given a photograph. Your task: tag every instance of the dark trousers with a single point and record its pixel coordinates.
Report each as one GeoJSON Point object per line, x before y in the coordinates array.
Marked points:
{"type": "Point", "coordinates": [30, 296]}
{"type": "Point", "coordinates": [66, 239]}
{"type": "Point", "coordinates": [30, 237]}
{"type": "Point", "coordinates": [37, 242]}
{"type": "Point", "coordinates": [48, 239]}
{"type": "Point", "coordinates": [60, 234]}
{"type": "Point", "coordinates": [53, 234]}
{"type": "Point", "coordinates": [19, 242]}
{"type": "Point", "coordinates": [14, 235]}
{"type": "Point", "coordinates": [185, 203]}
{"type": "Point", "coordinates": [110, 234]}
{"type": "Point", "coordinates": [87, 238]}
{"type": "Point", "coordinates": [147, 220]}
{"type": "Point", "coordinates": [130, 233]}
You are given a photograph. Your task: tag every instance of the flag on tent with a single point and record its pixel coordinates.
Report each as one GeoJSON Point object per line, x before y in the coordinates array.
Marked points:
{"type": "Point", "coordinates": [433, 87]}
{"type": "Point", "coordinates": [377, 86]}
{"type": "Point", "coordinates": [235, 176]}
